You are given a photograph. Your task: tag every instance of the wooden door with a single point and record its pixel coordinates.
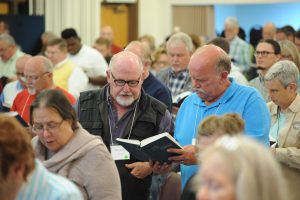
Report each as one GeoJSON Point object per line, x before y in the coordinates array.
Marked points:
{"type": "Point", "coordinates": [116, 16]}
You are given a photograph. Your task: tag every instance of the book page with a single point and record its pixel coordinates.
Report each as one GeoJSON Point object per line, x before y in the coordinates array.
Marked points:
{"type": "Point", "coordinates": [136, 142]}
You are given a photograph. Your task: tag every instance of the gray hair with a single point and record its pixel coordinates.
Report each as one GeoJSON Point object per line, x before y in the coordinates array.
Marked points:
{"type": "Point", "coordinates": [181, 37]}
{"type": "Point", "coordinates": [7, 39]}
{"type": "Point", "coordinates": [232, 21]}
{"type": "Point", "coordinates": [223, 64]}
{"type": "Point", "coordinates": [284, 71]}
{"type": "Point", "coordinates": [145, 50]}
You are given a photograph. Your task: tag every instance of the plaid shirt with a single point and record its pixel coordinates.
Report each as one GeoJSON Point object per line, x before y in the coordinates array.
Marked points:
{"type": "Point", "coordinates": [177, 81]}
{"type": "Point", "coordinates": [240, 52]}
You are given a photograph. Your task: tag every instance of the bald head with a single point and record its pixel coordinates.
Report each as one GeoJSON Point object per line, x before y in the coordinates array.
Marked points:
{"type": "Point", "coordinates": [38, 73]}
{"type": "Point", "coordinates": [126, 60]}
{"type": "Point", "coordinates": [20, 65]}
{"type": "Point", "coordinates": [210, 56]}
{"type": "Point", "coordinates": [107, 32]}
{"type": "Point", "coordinates": [269, 31]}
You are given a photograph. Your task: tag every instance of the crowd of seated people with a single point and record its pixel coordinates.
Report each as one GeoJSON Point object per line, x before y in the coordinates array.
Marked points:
{"type": "Point", "coordinates": [76, 100]}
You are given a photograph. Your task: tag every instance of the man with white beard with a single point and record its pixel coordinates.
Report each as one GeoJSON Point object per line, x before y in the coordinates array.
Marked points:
{"type": "Point", "coordinates": [39, 77]}
{"type": "Point", "coordinates": [122, 109]}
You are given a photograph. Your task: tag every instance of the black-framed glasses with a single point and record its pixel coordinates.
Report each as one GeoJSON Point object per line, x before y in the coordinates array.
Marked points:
{"type": "Point", "coordinates": [50, 127]}
{"type": "Point", "coordinates": [34, 78]}
{"type": "Point", "coordinates": [262, 53]}
{"type": "Point", "coordinates": [119, 82]}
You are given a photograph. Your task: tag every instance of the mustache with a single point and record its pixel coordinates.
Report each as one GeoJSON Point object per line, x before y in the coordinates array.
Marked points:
{"type": "Point", "coordinates": [199, 90]}
{"type": "Point", "coordinates": [126, 94]}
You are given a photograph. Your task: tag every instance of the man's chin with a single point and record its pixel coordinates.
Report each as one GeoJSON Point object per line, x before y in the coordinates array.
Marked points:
{"type": "Point", "coordinates": [125, 102]}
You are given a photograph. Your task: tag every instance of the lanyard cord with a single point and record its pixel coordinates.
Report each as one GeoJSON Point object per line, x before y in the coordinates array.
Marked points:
{"type": "Point", "coordinates": [131, 126]}
{"type": "Point", "coordinates": [195, 124]}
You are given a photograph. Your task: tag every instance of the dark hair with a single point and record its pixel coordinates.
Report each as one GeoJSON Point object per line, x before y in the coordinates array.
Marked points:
{"type": "Point", "coordinates": [69, 33]}
{"type": "Point", "coordinates": [16, 147]}
{"type": "Point", "coordinates": [288, 30]}
{"type": "Point", "coordinates": [297, 34]}
{"type": "Point", "coordinates": [221, 42]}
{"type": "Point", "coordinates": [274, 44]}
{"type": "Point", "coordinates": [58, 101]}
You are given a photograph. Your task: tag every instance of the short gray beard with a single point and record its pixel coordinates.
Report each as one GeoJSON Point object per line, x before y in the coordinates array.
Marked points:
{"type": "Point", "coordinates": [124, 102]}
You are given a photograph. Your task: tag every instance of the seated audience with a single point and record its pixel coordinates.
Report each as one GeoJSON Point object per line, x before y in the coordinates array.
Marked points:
{"type": "Point", "coordinates": [4, 27]}
{"type": "Point", "coordinates": [269, 31]}
{"type": "Point", "coordinates": [65, 73]}
{"type": "Point", "coordinates": [149, 40]}
{"type": "Point", "coordinates": [88, 59]}
{"type": "Point", "coordinates": [21, 176]}
{"type": "Point", "coordinates": [103, 45]}
{"type": "Point", "coordinates": [267, 53]}
{"type": "Point", "coordinates": [45, 38]}
{"type": "Point", "coordinates": [11, 89]}
{"type": "Point", "coordinates": [176, 77]}
{"type": "Point", "coordinates": [160, 60]}
{"type": "Point", "coordinates": [107, 32]}
{"type": "Point", "coordinates": [239, 49]}
{"type": "Point", "coordinates": [285, 33]}
{"type": "Point", "coordinates": [9, 53]}
{"type": "Point", "coordinates": [237, 168]}
{"type": "Point", "coordinates": [65, 148]}
{"type": "Point", "coordinates": [281, 82]}
{"type": "Point", "coordinates": [38, 75]}
{"type": "Point", "coordinates": [289, 52]}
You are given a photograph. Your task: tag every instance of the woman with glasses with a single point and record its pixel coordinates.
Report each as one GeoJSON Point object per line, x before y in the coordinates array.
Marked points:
{"type": "Point", "coordinates": [267, 53]}
{"type": "Point", "coordinates": [65, 148]}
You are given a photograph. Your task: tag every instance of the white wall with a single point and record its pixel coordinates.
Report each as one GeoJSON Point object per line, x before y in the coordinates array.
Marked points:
{"type": "Point", "coordinates": [155, 19]}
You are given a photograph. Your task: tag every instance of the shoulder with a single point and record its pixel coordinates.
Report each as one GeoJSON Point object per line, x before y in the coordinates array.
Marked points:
{"type": "Point", "coordinates": [57, 186]}
{"type": "Point", "coordinates": [90, 95]}
{"type": "Point", "coordinates": [163, 72]}
{"type": "Point", "coordinates": [155, 104]}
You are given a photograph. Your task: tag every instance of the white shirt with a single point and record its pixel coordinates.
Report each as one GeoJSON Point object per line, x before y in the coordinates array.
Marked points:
{"type": "Point", "coordinates": [237, 75]}
{"type": "Point", "coordinates": [9, 93]}
{"type": "Point", "coordinates": [91, 62]}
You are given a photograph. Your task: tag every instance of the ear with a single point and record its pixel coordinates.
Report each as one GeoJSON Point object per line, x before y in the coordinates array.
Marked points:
{"type": "Point", "coordinates": [18, 171]}
{"type": "Point", "coordinates": [292, 86]}
{"type": "Point", "coordinates": [50, 75]}
{"type": "Point", "coordinates": [108, 75]}
{"type": "Point", "coordinates": [224, 75]}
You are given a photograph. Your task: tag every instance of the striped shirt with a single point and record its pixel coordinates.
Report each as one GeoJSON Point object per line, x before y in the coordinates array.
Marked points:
{"type": "Point", "coordinates": [42, 184]}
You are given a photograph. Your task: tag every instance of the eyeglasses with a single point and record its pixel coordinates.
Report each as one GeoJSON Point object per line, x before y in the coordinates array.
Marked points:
{"type": "Point", "coordinates": [262, 53]}
{"type": "Point", "coordinates": [34, 78]}
{"type": "Point", "coordinates": [50, 127]}
{"type": "Point", "coordinates": [131, 83]}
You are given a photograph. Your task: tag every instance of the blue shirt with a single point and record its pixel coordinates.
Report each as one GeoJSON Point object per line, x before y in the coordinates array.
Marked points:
{"type": "Point", "coordinates": [158, 90]}
{"type": "Point", "coordinates": [240, 99]}
{"type": "Point", "coordinates": [42, 184]}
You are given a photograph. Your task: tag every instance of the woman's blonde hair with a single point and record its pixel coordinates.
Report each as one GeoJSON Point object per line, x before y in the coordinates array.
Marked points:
{"type": "Point", "coordinates": [255, 172]}
{"type": "Point", "coordinates": [289, 49]}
